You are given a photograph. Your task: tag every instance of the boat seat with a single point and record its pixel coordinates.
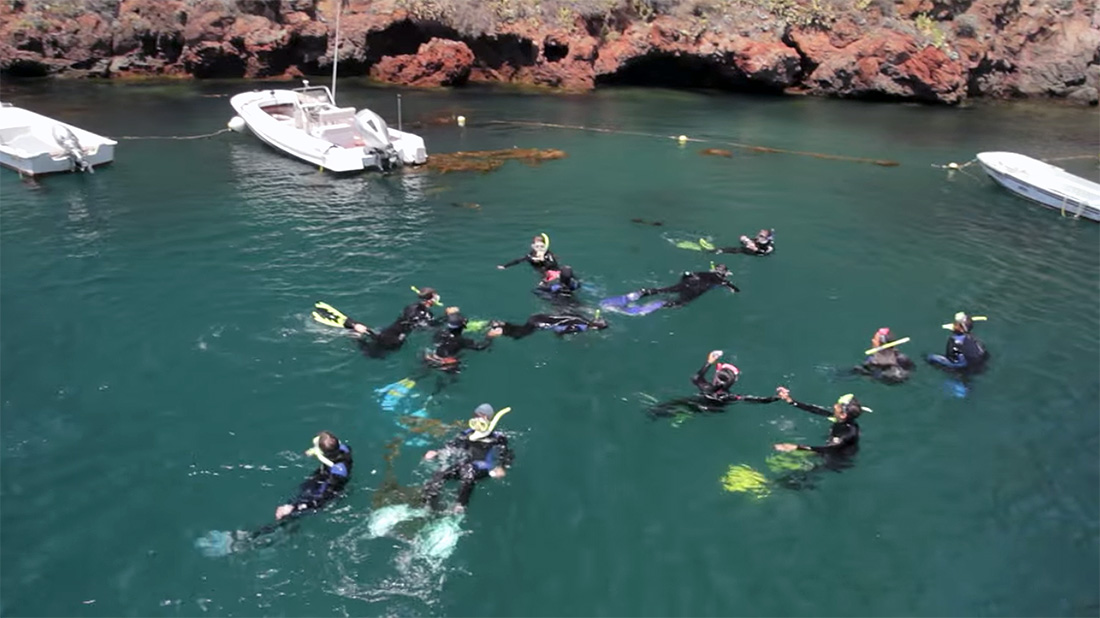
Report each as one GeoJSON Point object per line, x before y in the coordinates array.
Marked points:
{"type": "Point", "coordinates": [338, 115]}
{"type": "Point", "coordinates": [343, 135]}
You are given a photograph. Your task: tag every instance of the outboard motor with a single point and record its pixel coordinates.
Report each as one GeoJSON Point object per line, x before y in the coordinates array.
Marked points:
{"type": "Point", "coordinates": [376, 135]}
{"type": "Point", "coordinates": [65, 138]}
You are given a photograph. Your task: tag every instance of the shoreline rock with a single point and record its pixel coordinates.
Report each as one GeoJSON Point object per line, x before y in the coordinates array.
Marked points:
{"type": "Point", "coordinates": [903, 50]}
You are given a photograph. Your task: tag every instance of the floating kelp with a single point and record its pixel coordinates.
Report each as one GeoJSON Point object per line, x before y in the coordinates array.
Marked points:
{"type": "Point", "coordinates": [468, 205]}
{"type": "Point", "coordinates": [716, 152]}
{"type": "Point", "coordinates": [489, 160]}
{"type": "Point", "coordinates": [644, 222]}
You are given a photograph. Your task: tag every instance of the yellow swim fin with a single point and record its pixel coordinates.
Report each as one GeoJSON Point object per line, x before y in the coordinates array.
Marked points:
{"type": "Point", "coordinates": [328, 315]}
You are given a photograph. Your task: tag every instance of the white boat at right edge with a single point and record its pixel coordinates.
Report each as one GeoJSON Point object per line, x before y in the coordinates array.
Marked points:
{"type": "Point", "coordinates": [1041, 182]}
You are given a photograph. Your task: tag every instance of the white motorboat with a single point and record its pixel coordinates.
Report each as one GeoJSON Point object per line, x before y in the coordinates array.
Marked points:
{"type": "Point", "coordinates": [1041, 182]}
{"type": "Point", "coordinates": [34, 144]}
{"type": "Point", "coordinates": [306, 123]}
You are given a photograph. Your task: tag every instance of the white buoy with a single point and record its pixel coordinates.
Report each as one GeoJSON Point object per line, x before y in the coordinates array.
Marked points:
{"type": "Point", "coordinates": [236, 123]}
{"type": "Point", "coordinates": [682, 139]}
{"type": "Point", "coordinates": [461, 121]}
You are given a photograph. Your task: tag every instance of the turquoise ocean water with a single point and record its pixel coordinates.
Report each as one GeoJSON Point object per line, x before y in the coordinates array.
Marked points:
{"type": "Point", "coordinates": [161, 376]}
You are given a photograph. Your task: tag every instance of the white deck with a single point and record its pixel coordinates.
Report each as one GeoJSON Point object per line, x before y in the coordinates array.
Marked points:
{"type": "Point", "coordinates": [27, 143]}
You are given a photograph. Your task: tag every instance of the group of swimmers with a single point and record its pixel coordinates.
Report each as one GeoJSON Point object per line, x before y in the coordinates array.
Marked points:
{"type": "Point", "coordinates": [481, 451]}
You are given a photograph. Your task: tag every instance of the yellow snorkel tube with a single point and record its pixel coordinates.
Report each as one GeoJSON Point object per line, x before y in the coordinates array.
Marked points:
{"type": "Point", "coordinates": [886, 346]}
{"type": "Point", "coordinates": [847, 399]}
{"type": "Point", "coordinates": [960, 316]}
{"type": "Point", "coordinates": [483, 427]}
{"type": "Point", "coordinates": [545, 241]}
{"type": "Point", "coordinates": [316, 452]}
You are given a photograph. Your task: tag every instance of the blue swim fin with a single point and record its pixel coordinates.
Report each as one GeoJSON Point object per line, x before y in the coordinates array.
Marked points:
{"type": "Point", "coordinates": [645, 309]}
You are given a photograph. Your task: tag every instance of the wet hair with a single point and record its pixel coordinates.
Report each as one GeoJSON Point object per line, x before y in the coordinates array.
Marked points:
{"type": "Point", "coordinates": [566, 272]}
{"type": "Point", "coordinates": [427, 293]}
{"type": "Point", "coordinates": [327, 442]}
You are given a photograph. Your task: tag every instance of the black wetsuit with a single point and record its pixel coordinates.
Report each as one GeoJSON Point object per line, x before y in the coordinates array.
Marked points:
{"type": "Point", "coordinates": [547, 262]}
{"type": "Point", "coordinates": [559, 289]}
{"type": "Point", "coordinates": [889, 366]}
{"type": "Point", "coordinates": [762, 247]}
{"type": "Point", "coordinates": [964, 353]}
{"type": "Point", "coordinates": [325, 484]}
{"type": "Point", "coordinates": [560, 324]}
{"type": "Point", "coordinates": [712, 397]}
{"type": "Point", "coordinates": [843, 440]}
{"type": "Point", "coordinates": [378, 343]}
{"type": "Point", "coordinates": [690, 287]}
{"type": "Point", "coordinates": [476, 460]}
{"type": "Point", "coordinates": [447, 344]}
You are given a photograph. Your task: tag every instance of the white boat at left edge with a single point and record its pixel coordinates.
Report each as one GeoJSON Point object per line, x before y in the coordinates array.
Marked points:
{"type": "Point", "coordinates": [34, 144]}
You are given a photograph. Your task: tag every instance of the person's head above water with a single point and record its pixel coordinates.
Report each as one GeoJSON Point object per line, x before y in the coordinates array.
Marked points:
{"type": "Point", "coordinates": [725, 375]}
{"type": "Point", "coordinates": [963, 323]}
{"type": "Point", "coordinates": [566, 273]}
{"type": "Point", "coordinates": [848, 408]}
{"type": "Point", "coordinates": [540, 244]}
{"type": "Point", "coordinates": [764, 236]}
{"type": "Point", "coordinates": [881, 337]}
{"type": "Point", "coordinates": [721, 269]}
{"type": "Point", "coordinates": [484, 421]}
{"type": "Point", "coordinates": [326, 447]}
{"type": "Point", "coordinates": [456, 322]}
{"type": "Point", "coordinates": [428, 296]}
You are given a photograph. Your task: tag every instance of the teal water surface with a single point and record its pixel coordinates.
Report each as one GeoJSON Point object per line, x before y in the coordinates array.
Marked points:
{"type": "Point", "coordinates": [161, 375]}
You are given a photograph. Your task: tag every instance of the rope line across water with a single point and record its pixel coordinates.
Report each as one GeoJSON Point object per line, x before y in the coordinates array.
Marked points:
{"type": "Point", "coordinates": [750, 147]}
{"type": "Point", "coordinates": [204, 135]}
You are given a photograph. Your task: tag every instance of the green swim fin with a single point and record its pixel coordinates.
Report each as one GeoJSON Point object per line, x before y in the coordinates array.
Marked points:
{"type": "Point", "coordinates": [706, 245]}
{"type": "Point", "coordinates": [329, 315]}
{"type": "Point", "coordinates": [474, 326]}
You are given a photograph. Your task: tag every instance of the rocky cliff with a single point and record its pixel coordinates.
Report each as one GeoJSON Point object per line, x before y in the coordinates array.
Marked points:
{"type": "Point", "coordinates": [923, 50]}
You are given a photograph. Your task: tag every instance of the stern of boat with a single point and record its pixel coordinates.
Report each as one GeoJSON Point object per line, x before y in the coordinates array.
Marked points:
{"type": "Point", "coordinates": [409, 147]}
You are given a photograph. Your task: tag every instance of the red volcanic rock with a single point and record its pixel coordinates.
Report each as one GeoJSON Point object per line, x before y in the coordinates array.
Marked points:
{"type": "Point", "coordinates": [890, 63]}
{"type": "Point", "coordinates": [438, 62]}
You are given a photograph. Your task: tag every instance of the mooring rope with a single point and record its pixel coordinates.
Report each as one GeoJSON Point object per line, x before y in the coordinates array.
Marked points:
{"type": "Point", "coordinates": [683, 138]}
{"type": "Point", "coordinates": [203, 136]}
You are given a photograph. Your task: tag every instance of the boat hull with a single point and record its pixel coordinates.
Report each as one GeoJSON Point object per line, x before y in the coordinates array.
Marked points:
{"type": "Point", "coordinates": [1043, 184]}
{"type": "Point", "coordinates": [280, 132]}
{"type": "Point", "coordinates": [28, 146]}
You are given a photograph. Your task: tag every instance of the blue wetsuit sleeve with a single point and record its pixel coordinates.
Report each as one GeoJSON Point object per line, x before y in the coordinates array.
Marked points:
{"type": "Point", "coordinates": [812, 409]}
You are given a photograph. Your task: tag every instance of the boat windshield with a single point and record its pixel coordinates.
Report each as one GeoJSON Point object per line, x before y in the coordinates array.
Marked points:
{"type": "Point", "coordinates": [314, 96]}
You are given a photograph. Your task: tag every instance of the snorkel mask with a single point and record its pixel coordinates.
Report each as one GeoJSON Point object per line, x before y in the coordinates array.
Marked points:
{"type": "Point", "coordinates": [726, 374]}
{"type": "Point", "coordinates": [428, 294]}
{"type": "Point", "coordinates": [481, 425]}
{"type": "Point", "coordinates": [966, 322]}
{"type": "Point", "coordinates": [456, 322]}
{"type": "Point", "coordinates": [318, 453]}
{"type": "Point", "coordinates": [851, 406]}
{"type": "Point", "coordinates": [721, 269]}
{"type": "Point", "coordinates": [540, 244]}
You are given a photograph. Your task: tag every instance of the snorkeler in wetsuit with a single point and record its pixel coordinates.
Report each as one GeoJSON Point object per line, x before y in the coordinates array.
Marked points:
{"type": "Point", "coordinates": [560, 324]}
{"type": "Point", "coordinates": [843, 442]}
{"type": "Point", "coordinates": [326, 482]}
{"type": "Point", "coordinates": [559, 285]}
{"type": "Point", "coordinates": [714, 394]}
{"type": "Point", "coordinates": [539, 256]}
{"type": "Point", "coordinates": [476, 453]}
{"type": "Point", "coordinates": [762, 244]}
{"type": "Point", "coordinates": [692, 285]}
{"type": "Point", "coordinates": [378, 343]}
{"type": "Point", "coordinates": [889, 366]}
{"type": "Point", "coordinates": [449, 341]}
{"type": "Point", "coordinates": [964, 353]}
